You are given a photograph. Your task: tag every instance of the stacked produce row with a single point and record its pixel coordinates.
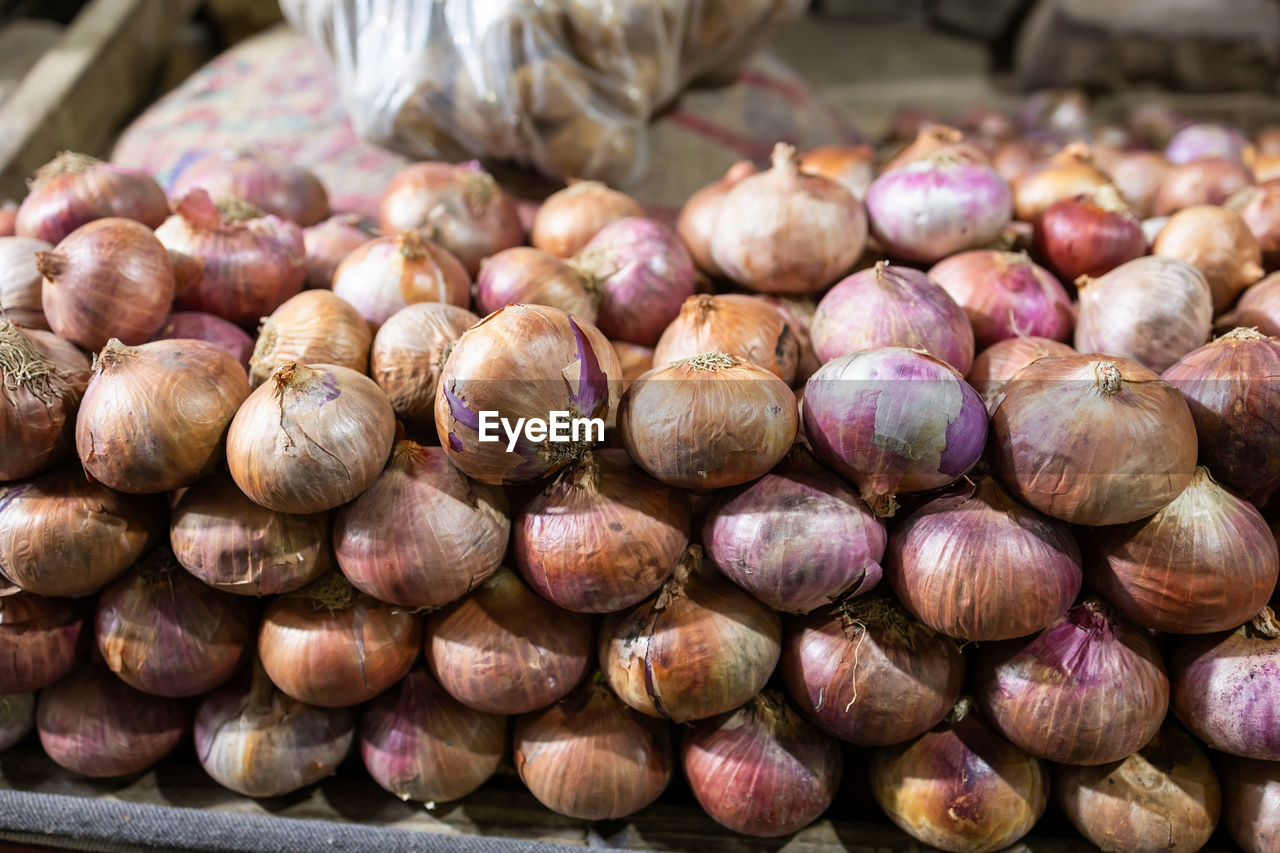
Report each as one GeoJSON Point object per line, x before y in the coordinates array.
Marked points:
{"type": "Point", "coordinates": [852, 456]}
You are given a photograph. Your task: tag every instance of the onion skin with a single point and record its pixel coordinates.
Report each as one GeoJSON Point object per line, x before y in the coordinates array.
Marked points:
{"type": "Point", "coordinates": [853, 166]}
{"type": "Point", "coordinates": [388, 273]}
{"type": "Point", "coordinates": [286, 190]}
{"type": "Point", "coordinates": [44, 379]}
{"type": "Point", "coordinates": [422, 534]}
{"type": "Point", "coordinates": [1217, 242]}
{"type": "Point", "coordinates": [734, 324]}
{"type": "Point", "coordinates": [701, 647]}
{"type": "Point", "coordinates": [1089, 235]}
{"type": "Point", "coordinates": [408, 355]}
{"type": "Point", "coordinates": [314, 327]}
{"type": "Point", "coordinates": [108, 279]}
{"type": "Point", "coordinates": [526, 275]}
{"type": "Point", "coordinates": [420, 744]}
{"type": "Point", "coordinates": [17, 718]}
{"type": "Point", "coordinates": [21, 282]}
{"type": "Point", "coordinates": [797, 538]}
{"type": "Point", "coordinates": [39, 640]}
{"type": "Point", "coordinates": [1005, 295]}
{"type": "Point", "coordinates": [569, 218]}
{"type": "Point", "coordinates": [591, 757]}
{"type": "Point", "coordinates": [1165, 798]}
{"type": "Point", "coordinates": [1043, 436]}
{"type": "Point", "coordinates": [798, 313]}
{"type": "Point", "coordinates": [94, 724]}
{"type": "Point", "coordinates": [1251, 799]}
{"type": "Point", "coordinates": [960, 787]}
{"type": "Point", "coordinates": [74, 189]}
{"type": "Point", "coordinates": [1208, 181]}
{"type": "Point", "coordinates": [1138, 175]}
{"type": "Point", "coordinates": [697, 219]}
{"type": "Point", "coordinates": [154, 416]}
{"type": "Point", "coordinates": [996, 365]}
{"type": "Point", "coordinates": [310, 438]}
{"type": "Point", "coordinates": [603, 536]}
{"type": "Point", "coordinates": [892, 306]}
{"type": "Point", "coordinates": [868, 673]}
{"type": "Point", "coordinates": [1259, 207]}
{"type": "Point", "coordinates": [1258, 308]}
{"type": "Point", "coordinates": [1069, 173]}
{"type": "Point", "coordinates": [232, 544]}
{"type": "Point", "coordinates": [326, 243]}
{"type": "Point", "coordinates": [199, 326]}
{"type": "Point", "coordinates": [933, 139]}
{"type": "Point", "coordinates": [761, 770]}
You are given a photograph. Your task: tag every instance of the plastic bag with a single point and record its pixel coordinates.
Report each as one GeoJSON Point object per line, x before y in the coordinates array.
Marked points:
{"type": "Point", "coordinates": [564, 86]}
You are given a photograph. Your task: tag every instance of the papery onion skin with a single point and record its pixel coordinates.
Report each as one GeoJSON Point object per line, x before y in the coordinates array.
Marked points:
{"type": "Point", "coordinates": [310, 438]}
{"type": "Point", "coordinates": [94, 724]}
{"type": "Point", "coordinates": [868, 673]}
{"type": "Point", "coordinates": [314, 327]}
{"type": "Point", "coordinates": [40, 640]}
{"type": "Point", "coordinates": [44, 379]}
{"type": "Point", "coordinates": [1089, 235]}
{"type": "Point", "coordinates": [1165, 798]}
{"type": "Point", "coordinates": [1218, 243]}
{"type": "Point", "coordinates": [421, 744]}
{"type": "Point", "coordinates": [603, 536]}
{"type": "Point", "coordinates": [1208, 181]}
{"type": "Point", "coordinates": [1251, 803]}
{"type": "Point", "coordinates": [734, 324]}
{"type": "Point", "coordinates": [197, 325]}
{"type": "Point", "coordinates": [569, 218]}
{"type": "Point", "coordinates": [761, 770]}
{"type": "Point", "coordinates": [1259, 207]}
{"type": "Point", "coordinates": [327, 243]}
{"type": "Point", "coordinates": [1258, 308]}
{"type": "Point", "coordinates": [977, 565]}
{"type": "Point", "coordinates": [17, 718]}
{"type": "Point", "coordinates": [523, 274]}
{"type": "Point", "coordinates": [74, 189]}
{"type": "Point", "coordinates": [1067, 174]}
{"type": "Point", "coordinates": [996, 365]}
{"type": "Point", "coordinates": [21, 282]}
{"type": "Point", "coordinates": [798, 313]}
{"type": "Point", "coordinates": [284, 189]}
{"type": "Point", "coordinates": [853, 166]}
{"type": "Point", "coordinates": [892, 306]}
{"type": "Point", "coordinates": [388, 273]}
{"type": "Point", "coordinates": [1198, 141]}
{"type": "Point", "coordinates": [230, 543]}
{"type": "Point", "coordinates": [1005, 295]}
{"type": "Point", "coordinates": [408, 355]}
{"type": "Point", "coordinates": [697, 219]}
{"type": "Point", "coordinates": [1045, 434]}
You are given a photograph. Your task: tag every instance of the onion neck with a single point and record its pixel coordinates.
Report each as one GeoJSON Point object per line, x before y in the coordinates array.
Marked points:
{"type": "Point", "coordinates": [197, 209]}
{"type": "Point", "coordinates": [1264, 625]}
{"type": "Point", "coordinates": [1093, 615]}
{"type": "Point", "coordinates": [113, 355]}
{"type": "Point", "coordinates": [700, 308]}
{"type": "Point", "coordinates": [412, 246]}
{"type": "Point", "coordinates": [1076, 152]}
{"type": "Point", "coordinates": [331, 592]}
{"type": "Point", "coordinates": [785, 159]}
{"type": "Point", "coordinates": [689, 566]}
{"type": "Point", "coordinates": [859, 614]}
{"type": "Point", "coordinates": [579, 187]}
{"type": "Point", "coordinates": [1108, 199]}
{"type": "Point", "coordinates": [1107, 378]}
{"type": "Point", "coordinates": [709, 362]}
{"type": "Point", "coordinates": [51, 265]}
{"type": "Point", "coordinates": [479, 189]}
{"type": "Point", "coordinates": [1241, 333]}
{"type": "Point", "coordinates": [962, 709]}
{"type": "Point", "coordinates": [23, 365]}
{"type": "Point", "coordinates": [233, 210]}
{"type": "Point", "coordinates": [66, 163]}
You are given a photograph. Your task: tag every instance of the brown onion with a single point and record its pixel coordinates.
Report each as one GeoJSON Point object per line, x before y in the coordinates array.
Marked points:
{"type": "Point", "coordinates": [634, 359]}
{"type": "Point", "coordinates": [1218, 243]}
{"type": "Point", "coordinates": [286, 190]}
{"type": "Point", "coordinates": [996, 365]}
{"type": "Point", "coordinates": [568, 219]}
{"type": "Point", "coordinates": [1258, 308]}
{"type": "Point", "coordinates": [1209, 181]}
{"type": "Point", "coordinates": [44, 378]}
{"type": "Point", "coordinates": [701, 647]}
{"type": "Point", "coordinates": [311, 438]}
{"type": "Point", "coordinates": [21, 282]}
{"type": "Point", "coordinates": [1089, 235]}
{"type": "Point", "coordinates": [314, 327]}
{"type": "Point", "coordinates": [1251, 803]}
{"type": "Point", "coordinates": [867, 672]}
{"type": "Point", "coordinates": [743, 326]}
{"type": "Point", "coordinates": [1259, 207]}
{"type": "Point", "coordinates": [108, 279]}
{"type": "Point", "coordinates": [388, 273]}
{"type": "Point", "coordinates": [40, 639]}
{"type": "Point", "coordinates": [73, 189]}
{"type": "Point", "coordinates": [327, 243]}
{"type": "Point", "coordinates": [408, 355]}
{"type": "Point", "coordinates": [854, 166]}
{"type": "Point", "coordinates": [1137, 174]}
{"type": "Point", "coordinates": [525, 275]}
{"type": "Point", "coordinates": [1005, 295]}
{"type": "Point", "coordinates": [329, 645]}
{"type": "Point", "coordinates": [154, 416]}
{"type": "Point", "coordinates": [1046, 443]}
{"type": "Point", "coordinates": [698, 216]}
{"type": "Point", "coordinates": [1067, 174]}
{"type": "Point", "coordinates": [196, 325]}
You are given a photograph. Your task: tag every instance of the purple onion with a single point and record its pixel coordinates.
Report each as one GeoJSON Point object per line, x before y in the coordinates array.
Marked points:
{"type": "Point", "coordinates": [199, 326]}
{"type": "Point", "coordinates": [530, 276]}
{"type": "Point", "coordinates": [797, 538]}
{"type": "Point", "coordinates": [1251, 803]}
{"type": "Point", "coordinates": [892, 306]}
{"type": "Point", "coordinates": [39, 639]}
{"type": "Point", "coordinates": [642, 273]}
{"type": "Point", "coordinates": [938, 205]}
{"type": "Point", "coordinates": [894, 420]}
{"type": "Point", "coordinates": [1005, 295]}
{"type": "Point", "coordinates": [1198, 141]}
{"type": "Point", "coordinates": [17, 718]}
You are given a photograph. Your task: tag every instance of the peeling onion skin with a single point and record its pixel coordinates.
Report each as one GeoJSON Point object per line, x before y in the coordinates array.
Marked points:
{"type": "Point", "coordinates": [977, 565]}
{"type": "Point", "coordinates": [960, 787]}
{"type": "Point", "coordinates": [1217, 242]}
{"type": "Point", "coordinates": [421, 744]}
{"type": "Point", "coordinates": [1258, 308]}
{"type": "Point", "coordinates": [701, 647]}
{"type": "Point", "coordinates": [1005, 295]}
{"type": "Point", "coordinates": [697, 219]}
{"type": "Point", "coordinates": [197, 325]}
{"type": "Point", "coordinates": [408, 356]}
{"type": "Point", "coordinates": [591, 757]}
{"type": "Point", "coordinates": [761, 770]}
{"type": "Point", "coordinates": [997, 364]}
{"type": "Point", "coordinates": [40, 640]}
{"type": "Point", "coordinates": [388, 273]}
{"type": "Point", "coordinates": [868, 673]}
{"type": "Point", "coordinates": [530, 276]}
{"type": "Point", "coordinates": [17, 718]}
{"type": "Point", "coordinates": [569, 218]}
{"type": "Point", "coordinates": [284, 189]}
{"type": "Point", "coordinates": [734, 324]}
{"type": "Point", "coordinates": [74, 189]}
{"type": "Point", "coordinates": [314, 327]}
{"type": "Point", "coordinates": [1251, 803]}
{"type": "Point", "coordinates": [21, 282]}
{"type": "Point", "coordinates": [44, 380]}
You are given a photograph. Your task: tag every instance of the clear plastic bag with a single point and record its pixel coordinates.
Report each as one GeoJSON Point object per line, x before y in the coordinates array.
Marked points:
{"type": "Point", "coordinates": [564, 86]}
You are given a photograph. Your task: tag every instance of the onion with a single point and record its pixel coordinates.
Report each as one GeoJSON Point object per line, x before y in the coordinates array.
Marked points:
{"type": "Point", "coordinates": [154, 416]}
{"type": "Point", "coordinates": [892, 306]}
{"type": "Point", "coordinates": [1069, 173]}
{"type": "Point", "coordinates": [327, 243]}
{"type": "Point", "coordinates": [1152, 310]}
{"type": "Point", "coordinates": [1137, 174]}
{"type": "Point", "coordinates": [329, 645]}
{"type": "Point", "coordinates": [698, 216]}
{"type": "Point", "coordinates": [523, 362]}
{"type": "Point", "coordinates": [165, 633]}
{"type": "Point", "coordinates": [568, 219]}
{"type": "Point", "coordinates": [634, 359]}
{"type": "Point", "coordinates": [459, 207]}
{"type": "Point", "coordinates": [853, 166]}
{"type": "Point", "coordinates": [1200, 141]}
{"type": "Point", "coordinates": [937, 205]}
{"type": "Point", "coordinates": [1005, 295]}
{"type": "Point", "coordinates": [44, 378]}
{"type": "Point", "coordinates": [1093, 439]}
{"type": "Point", "coordinates": [790, 232]}
{"type": "Point", "coordinates": [867, 672]}
{"type": "Point", "coordinates": [1259, 308]}
{"type": "Point", "coordinates": [310, 438]}
{"type": "Point", "coordinates": [996, 365]}
{"type": "Point", "coordinates": [199, 326]}
{"type": "Point", "coordinates": [797, 538]}
{"type": "Point", "coordinates": [742, 326]}
{"type": "Point", "coordinates": [1251, 799]}
{"type": "Point", "coordinates": [602, 537]}
{"type": "Point", "coordinates": [761, 770]}
{"type": "Point", "coordinates": [388, 273]}
{"type": "Point", "coordinates": [420, 744]}
{"type": "Point", "coordinates": [257, 741]}
{"type": "Point", "coordinates": [108, 279]}
{"type": "Point", "coordinates": [94, 724]}
{"type": "Point", "coordinates": [17, 718]}
{"type": "Point", "coordinates": [422, 534]}
{"type": "Point", "coordinates": [39, 639]}
{"type": "Point", "coordinates": [641, 273]}
{"type": "Point", "coordinates": [63, 535]}
{"type": "Point", "coordinates": [1259, 207]}
{"type": "Point", "coordinates": [1016, 157]}
{"type": "Point", "coordinates": [531, 276]}
{"type": "Point", "coordinates": [283, 189]}
{"type": "Point", "coordinates": [1209, 181]}
{"type": "Point", "coordinates": [798, 313]}
{"type": "Point", "coordinates": [230, 259]}
{"type": "Point", "coordinates": [701, 647]}
{"type": "Point", "coordinates": [21, 282]}
{"type": "Point", "coordinates": [1089, 235]}
{"type": "Point", "coordinates": [937, 139]}
{"type": "Point", "coordinates": [408, 355]}
{"type": "Point", "coordinates": [232, 544]}
{"type": "Point", "coordinates": [1164, 798]}
{"type": "Point", "coordinates": [893, 420]}
{"type": "Point", "coordinates": [314, 327]}
{"type": "Point", "coordinates": [960, 787]}
{"type": "Point", "coordinates": [74, 189]}
{"type": "Point", "coordinates": [709, 421]}
{"type": "Point", "coordinates": [1218, 243]}
{"type": "Point", "coordinates": [591, 757]}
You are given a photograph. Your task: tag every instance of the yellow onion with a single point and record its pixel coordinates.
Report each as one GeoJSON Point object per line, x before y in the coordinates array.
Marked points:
{"type": "Point", "coordinates": [408, 354]}
{"type": "Point", "coordinates": [328, 242]}
{"type": "Point", "coordinates": [40, 639]}
{"type": "Point", "coordinates": [44, 378]}
{"type": "Point", "coordinates": [743, 326]}
{"type": "Point", "coordinates": [154, 416]}
{"type": "Point", "coordinates": [996, 365]}
{"type": "Point", "coordinates": [388, 273]}
{"type": "Point", "coordinates": [854, 166]}
{"type": "Point", "coordinates": [1251, 803]}
{"type": "Point", "coordinates": [311, 438]}
{"type": "Point", "coordinates": [73, 189]}
{"type": "Point", "coordinates": [526, 275]}
{"type": "Point", "coordinates": [1212, 180]}
{"type": "Point", "coordinates": [698, 217]}
{"type": "Point", "coordinates": [287, 190]}
{"type": "Point", "coordinates": [21, 282]}
{"type": "Point", "coordinates": [1217, 242]}
{"type": "Point", "coordinates": [1258, 308]}
{"type": "Point", "coordinates": [1067, 174]}
{"type": "Point", "coordinates": [568, 219]}
{"type": "Point", "coordinates": [314, 327]}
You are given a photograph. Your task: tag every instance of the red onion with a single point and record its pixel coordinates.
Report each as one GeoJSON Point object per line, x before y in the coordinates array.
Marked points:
{"type": "Point", "coordinates": [74, 189]}
{"type": "Point", "coordinates": [39, 639]}
{"type": "Point", "coordinates": [1005, 295]}
{"type": "Point", "coordinates": [1152, 310]}
{"type": "Point", "coordinates": [44, 378]}
{"type": "Point", "coordinates": [1208, 181]}
{"type": "Point", "coordinates": [698, 216]}
{"type": "Point", "coordinates": [893, 420]}
{"type": "Point", "coordinates": [17, 718]}
{"type": "Point", "coordinates": [21, 282]}
{"type": "Point", "coordinates": [94, 724]}
{"type": "Point", "coordinates": [199, 326]}
{"type": "Point", "coordinates": [1259, 308]}
{"type": "Point", "coordinates": [420, 744]}
{"type": "Point", "coordinates": [865, 671]}
{"type": "Point", "coordinates": [531, 276]}
{"type": "Point", "coordinates": [1251, 800]}
{"type": "Point", "coordinates": [409, 353]}
{"type": "Point", "coordinates": [1138, 175]}
{"type": "Point", "coordinates": [1069, 173]}
{"type": "Point", "coordinates": [283, 189]}
{"type": "Point", "coordinates": [1218, 243]}
{"type": "Point", "coordinates": [854, 166]}
{"type": "Point", "coordinates": [892, 306]}
{"type": "Point", "coordinates": [734, 324]}
{"type": "Point", "coordinates": [568, 219]}
{"type": "Point", "coordinates": [996, 365]}
{"type": "Point", "coordinates": [1200, 141]}
{"type": "Point", "coordinates": [314, 327]}
{"type": "Point", "coordinates": [386, 274]}
{"type": "Point", "coordinates": [1089, 235]}
{"type": "Point", "coordinates": [761, 770]}
{"type": "Point", "coordinates": [327, 243]}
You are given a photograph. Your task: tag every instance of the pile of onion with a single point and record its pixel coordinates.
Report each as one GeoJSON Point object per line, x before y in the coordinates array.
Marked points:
{"type": "Point", "coordinates": [314, 327]}
{"type": "Point", "coordinates": [698, 217]}
{"type": "Point", "coordinates": [1069, 173]}
{"type": "Point", "coordinates": [1251, 803]}
{"type": "Point", "coordinates": [1089, 235]}
{"type": "Point", "coordinates": [328, 242]}
{"type": "Point", "coordinates": [21, 282]}
{"type": "Point", "coordinates": [286, 190]}
{"type": "Point", "coordinates": [568, 219]}
{"type": "Point", "coordinates": [734, 324]}
{"type": "Point", "coordinates": [44, 378]}
{"type": "Point", "coordinates": [199, 326]}
{"type": "Point", "coordinates": [40, 639]}
{"type": "Point", "coordinates": [1005, 295]}
{"type": "Point", "coordinates": [997, 364]}
{"type": "Point", "coordinates": [1218, 243]}
{"type": "Point", "coordinates": [388, 273]}
{"type": "Point", "coordinates": [525, 275]}
{"type": "Point", "coordinates": [73, 189]}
